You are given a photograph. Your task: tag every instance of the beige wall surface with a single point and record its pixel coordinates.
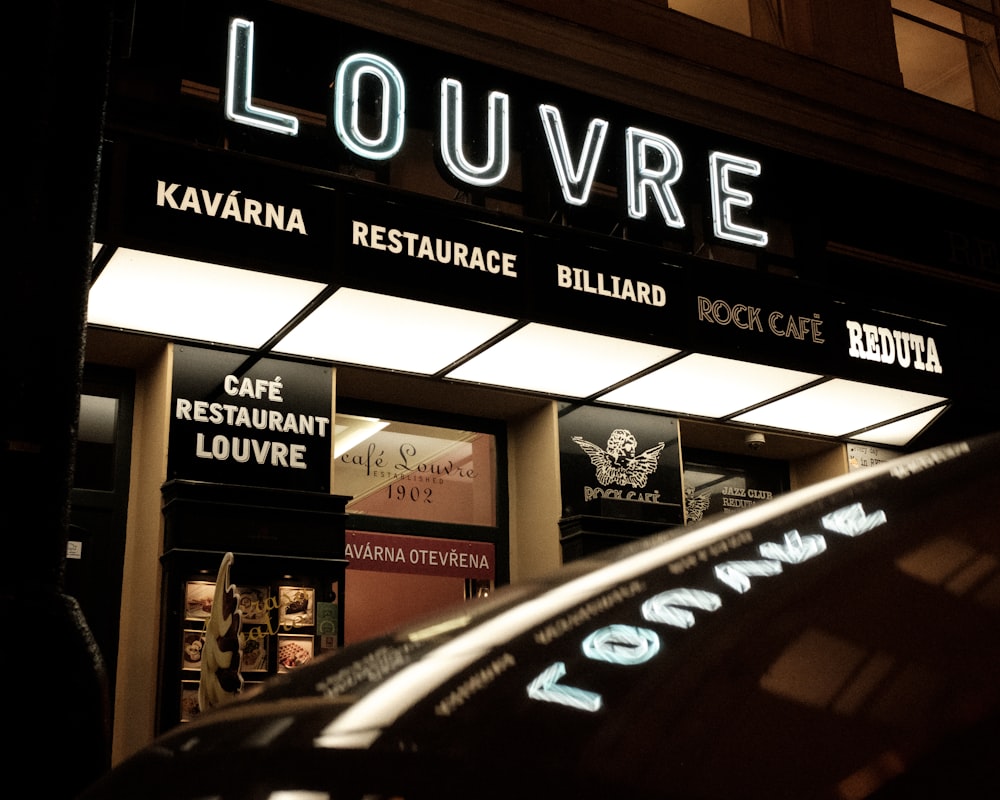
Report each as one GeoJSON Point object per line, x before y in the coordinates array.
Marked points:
{"type": "Point", "coordinates": [138, 653]}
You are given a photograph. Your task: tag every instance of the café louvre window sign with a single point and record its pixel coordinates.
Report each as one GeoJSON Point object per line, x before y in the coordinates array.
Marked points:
{"type": "Point", "coordinates": [654, 163]}
{"type": "Point", "coordinates": [419, 472]}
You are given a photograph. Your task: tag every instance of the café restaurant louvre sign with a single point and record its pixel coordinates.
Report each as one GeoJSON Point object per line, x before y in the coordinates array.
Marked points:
{"type": "Point", "coordinates": [266, 423]}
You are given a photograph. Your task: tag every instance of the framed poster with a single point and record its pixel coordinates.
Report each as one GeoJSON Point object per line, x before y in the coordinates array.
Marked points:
{"type": "Point", "coordinates": [198, 596]}
{"type": "Point", "coordinates": [296, 606]}
{"type": "Point", "coordinates": [253, 604]}
{"type": "Point", "coordinates": [293, 651]}
{"type": "Point", "coordinates": [191, 649]}
{"type": "Point", "coordinates": [255, 651]}
{"type": "Point", "coordinates": [189, 701]}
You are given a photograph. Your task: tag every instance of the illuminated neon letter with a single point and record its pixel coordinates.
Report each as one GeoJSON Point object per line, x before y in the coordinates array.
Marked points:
{"type": "Point", "coordinates": [643, 176]}
{"type": "Point", "coordinates": [725, 197]}
{"type": "Point", "coordinates": [546, 688]}
{"type": "Point", "coordinates": [575, 181]}
{"type": "Point", "coordinates": [497, 133]}
{"type": "Point", "coordinates": [795, 549]}
{"type": "Point", "coordinates": [852, 520]}
{"type": "Point", "coordinates": [736, 574]}
{"type": "Point", "coordinates": [665, 606]}
{"type": "Point", "coordinates": [347, 115]}
{"type": "Point", "coordinates": [239, 85]}
{"type": "Point", "coordinates": [622, 644]}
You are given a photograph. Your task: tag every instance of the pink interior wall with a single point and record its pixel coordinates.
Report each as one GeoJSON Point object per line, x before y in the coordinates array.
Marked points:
{"type": "Point", "coordinates": [376, 602]}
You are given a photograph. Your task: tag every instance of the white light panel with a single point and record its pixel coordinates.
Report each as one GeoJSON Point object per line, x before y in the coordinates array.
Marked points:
{"type": "Point", "coordinates": [174, 297]}
{"type": "Point", "coordinates": [707, 386]}
{"type": "Point", "coordinates": [837, 408]}
{"type": "Point", "coordinates": [355, 327]}
{"type": "Point", "coordinates": [543, 358]}
{"type": "Point", "coordinates": [154, 293]}
{"type": "Point", "coordinates": [900, 433]}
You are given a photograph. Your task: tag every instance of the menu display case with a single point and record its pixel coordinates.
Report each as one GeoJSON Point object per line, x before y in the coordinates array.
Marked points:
{"type": "Point", "coordinates": [283, 582]}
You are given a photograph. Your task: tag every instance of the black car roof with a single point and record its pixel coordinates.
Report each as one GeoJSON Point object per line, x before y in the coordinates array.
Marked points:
{"type": "Point", "coordinates": [824, 643]}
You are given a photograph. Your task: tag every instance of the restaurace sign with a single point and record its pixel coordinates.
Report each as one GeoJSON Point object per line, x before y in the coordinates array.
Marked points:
{"type": "Point", "coordinates": [654, 163]}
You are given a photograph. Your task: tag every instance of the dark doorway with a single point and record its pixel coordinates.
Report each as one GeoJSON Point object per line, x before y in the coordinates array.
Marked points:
{"type": "Point", "coordinates": [99, 504]}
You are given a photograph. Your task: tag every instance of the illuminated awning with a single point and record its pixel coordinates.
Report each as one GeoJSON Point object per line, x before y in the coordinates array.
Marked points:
{"type": "Point", "coordinates": [210, 303]}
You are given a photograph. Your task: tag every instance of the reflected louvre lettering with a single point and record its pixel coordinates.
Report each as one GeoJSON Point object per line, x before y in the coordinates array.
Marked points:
{"type": "Point", "coordinates": [653, 162]}
{"type": "Point", "coordinates": [628, 645]}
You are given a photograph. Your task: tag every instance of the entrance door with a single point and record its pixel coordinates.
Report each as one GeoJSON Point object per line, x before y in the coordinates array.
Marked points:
{"type": "Point", "coordinates": [98, 505]}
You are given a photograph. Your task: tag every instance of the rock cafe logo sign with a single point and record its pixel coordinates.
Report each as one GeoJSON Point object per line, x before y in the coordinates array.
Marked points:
{"type": "Point", "coordinates": [653, 162]}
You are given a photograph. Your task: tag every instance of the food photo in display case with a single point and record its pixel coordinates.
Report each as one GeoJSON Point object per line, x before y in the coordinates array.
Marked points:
{"type": "Point", "coordinates": [191, 651]}
{"type": "Point", "coordinates": [297, 607]}
{"type": "Point", "coordinates": [254, 653]}
{"type": "Point", "coordinates": [253, 604]}
{"type": "Point", "coordinates": [294, 651]}
{"type": "Point", "coordinates": [189, 701]}
{"type": "Point", "coordinates": [198, 599]}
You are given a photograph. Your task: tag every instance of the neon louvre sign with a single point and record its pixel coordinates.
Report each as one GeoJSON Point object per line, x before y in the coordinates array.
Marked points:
{"type": "Point", "coordinates": [653, 162]}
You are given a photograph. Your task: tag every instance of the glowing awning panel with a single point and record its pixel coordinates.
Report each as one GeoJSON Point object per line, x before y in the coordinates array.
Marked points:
{"type": "Point", "coordinates": [838, 407]}
{"type": "Point", "coordinates": [375, 330]}
{"type": "Point", "coordinates": [707, 386]}
{"type": "Point", "coordinates": [184, 299]}
{"type": "Point", "coordinates": [542, 358]}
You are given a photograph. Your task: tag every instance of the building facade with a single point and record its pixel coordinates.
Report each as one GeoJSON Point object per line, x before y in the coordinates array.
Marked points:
{"type": "Point", "coordinates": [571, 273]}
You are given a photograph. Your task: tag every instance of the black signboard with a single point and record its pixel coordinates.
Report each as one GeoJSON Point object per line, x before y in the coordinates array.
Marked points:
{"type": "Point", "coordinates": [619, 464]}
{"type": "Point", "coordinates": [264, 422]}
{"type": "Point", "coordinates": [612, 288]}
{"type": "Point", "coordinates": [400, 244]}
{"type": "Point", "coordinates": [218, 206]}
{"type": "Point", "coordinates": [409, 248]}
{"type": "Point", "coordinates": [893, 350]}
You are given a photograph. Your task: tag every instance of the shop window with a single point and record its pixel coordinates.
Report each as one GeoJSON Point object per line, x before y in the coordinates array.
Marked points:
{"type": "Point", "coordinates": [949, 52]}
{"type": "Point", "coordinates": [757, 18]}
{"type": "Point", "coordinates": [719, 483]}
{"type": "Point", "coordinates": [427, 519]}
{"type": "Point", "coordinates": [95, 449]}
{"type": "Point", "coordinates": [419, 472]}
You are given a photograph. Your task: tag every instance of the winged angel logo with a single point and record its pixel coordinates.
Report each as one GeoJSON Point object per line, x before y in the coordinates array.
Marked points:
{"type": "Point", "coordinates": [620, 463]}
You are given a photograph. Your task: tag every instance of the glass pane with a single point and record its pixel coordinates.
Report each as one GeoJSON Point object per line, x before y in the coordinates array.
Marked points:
{"type": "Point", "coordinates": [712, 487]}
{"type": "Point", "coordinates": [932, 61]}
{"type": "Point", "coordinates": [418, 472]}
{"type": "Point", "coordinates": [931, 12]}
{"type": "Point", "coordinates": [95, 448]}
{"type": "Point", "coordinates": [731, 14]}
